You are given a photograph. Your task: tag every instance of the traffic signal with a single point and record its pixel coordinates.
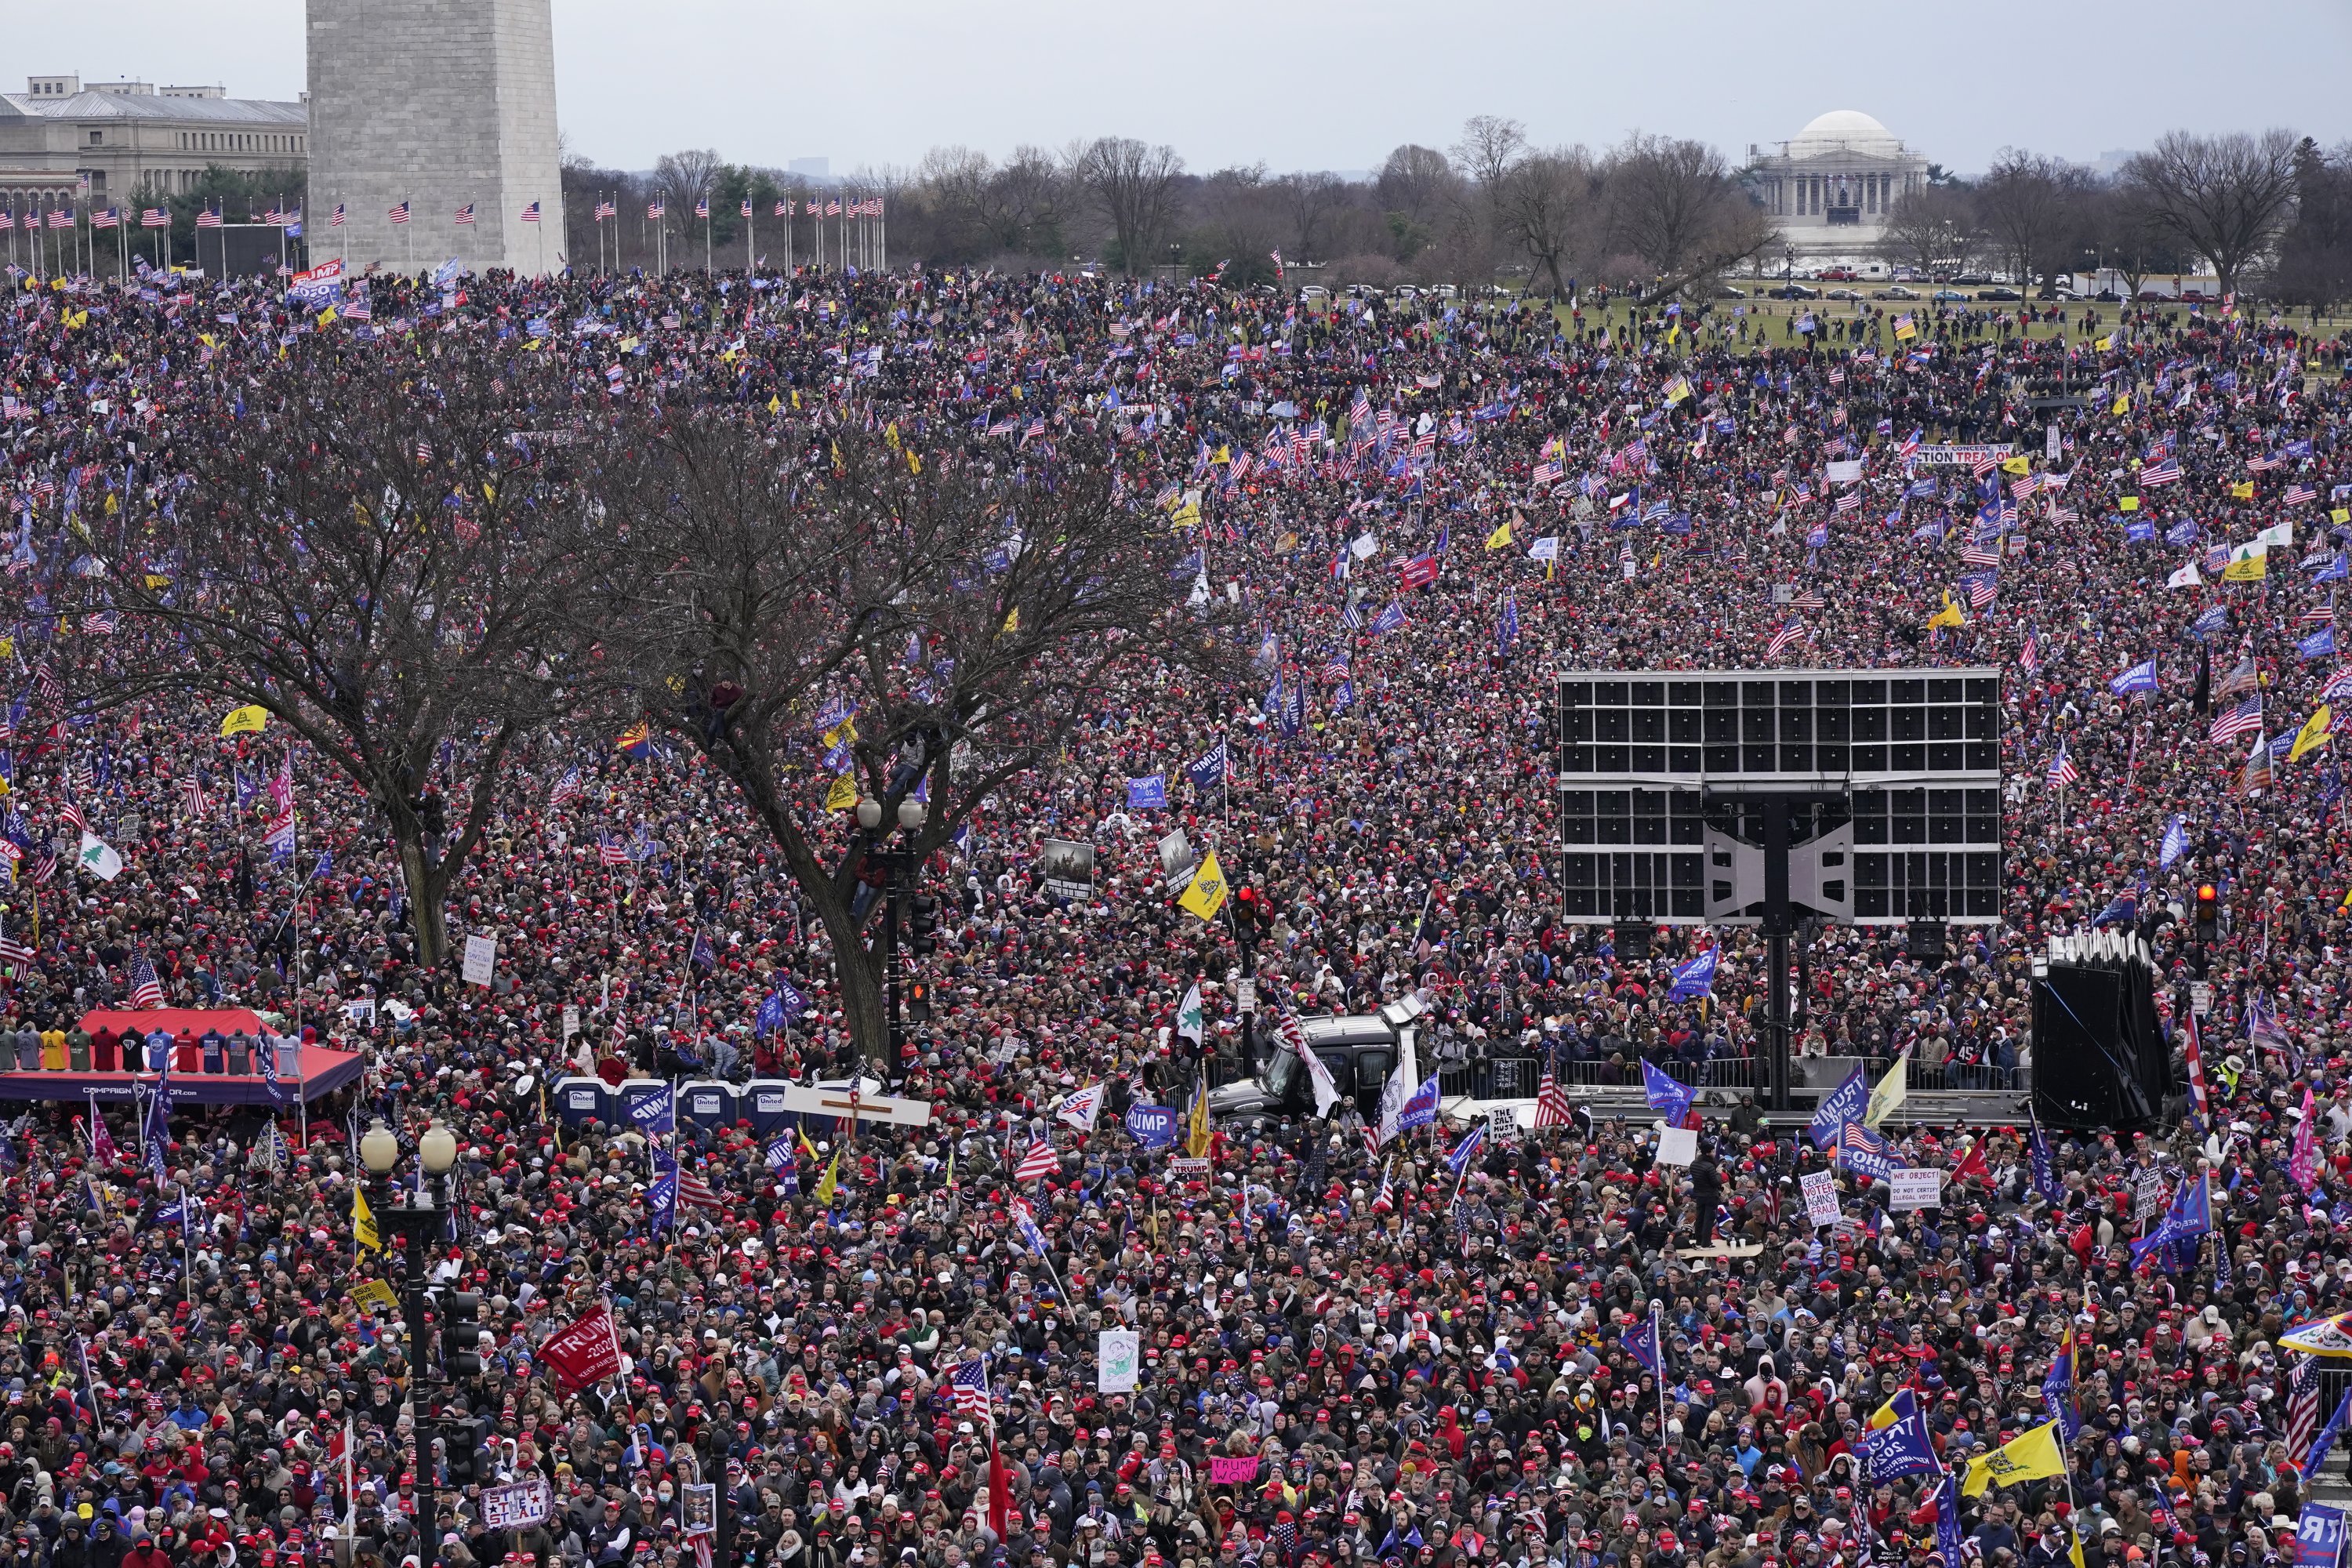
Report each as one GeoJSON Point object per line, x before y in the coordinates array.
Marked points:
{"type": "Point", "coordinates": [923, 926]}
{"type": "Point", "coordinates": [461, 1450]}
{"type": "Point", "coordinates": [2208, 913]}
{"type": "Point", "coordinates": [1252, 910]}
{"type": "Point", "coordinates": [461, 1334]}
{"type": "Point", "coordinates": [918, 1002]}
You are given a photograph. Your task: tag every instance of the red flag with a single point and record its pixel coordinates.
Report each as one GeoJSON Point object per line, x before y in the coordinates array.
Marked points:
{"type": "Point", "coordinates": [1972, 1165]}
{"type": "Point", "coordinates": [998, 1492]}
{"type": "Point", "coordinates": [587, 1350]}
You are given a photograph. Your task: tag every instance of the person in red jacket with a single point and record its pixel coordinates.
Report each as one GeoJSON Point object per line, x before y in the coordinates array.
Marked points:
{"type": "Point", "coordinates": [145, 1554]}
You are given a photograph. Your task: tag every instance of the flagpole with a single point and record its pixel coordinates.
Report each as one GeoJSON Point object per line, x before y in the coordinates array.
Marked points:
{"type": "Point", "coordinates": [1658, 1338]}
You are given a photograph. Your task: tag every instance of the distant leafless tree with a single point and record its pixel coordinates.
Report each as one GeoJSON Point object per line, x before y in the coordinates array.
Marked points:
{"type": "Point", "coordinates": [1414, 181]}
{"type": "Point", "coordinates": [1549, 204]}
{"type": "Point", "coordinates": [2122, 232]}
{"type": "Point", "coordinates": [685, 178]}
{"type": "Point", "coordinates": [2031, 205]}
{"type": "Point", "coordinates": [1135, 186]}
{"type": "Point", "coordinates": [1490, 144]}
{"type": "Point", "coordinates": [1029, 203]}
{"type": "Point", "coordinates": [1674, 202]}
{"type": "Point", "coordinates": [1311, 200]}
{"type": "Point", "coordinates": [1931, 228]}
{"type": "Point", "coordinates": [2226, 196]}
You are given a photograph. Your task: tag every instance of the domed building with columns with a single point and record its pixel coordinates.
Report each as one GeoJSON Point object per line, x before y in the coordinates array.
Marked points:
{"type": "Point", "coordinates": [1832, 185]}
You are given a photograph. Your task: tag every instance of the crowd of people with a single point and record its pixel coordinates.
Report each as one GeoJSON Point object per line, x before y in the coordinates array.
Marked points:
{"type": "Point", "coordinates": [888, 1347]}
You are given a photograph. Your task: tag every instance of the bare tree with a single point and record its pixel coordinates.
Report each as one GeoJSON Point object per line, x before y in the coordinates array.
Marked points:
{"type": "Point", "coordinates": [1490, 144]}
{"type": "Point", "coordinates": [2226, 197]}
{"type": "Point", "coordinates": [1029, 203]}
{"type": "Point", "coordinates": [1674, 202]}
{"type": "Point", "coordinates": [685, 178]}
{"type": "Point", "coordinates": [377, 557]}
{"type": "Point", "coordinates": [1415, 185]}
{"type": "Point", "coordinates": [1412, 180]}
{"type": "Point", "coordinates": [2030, 205]}
{"type": "Point", "coordinates": [822, 612]}
{"type": "Point", "coordinates": [1312, 199]}
{"type": "Point", "coordinates": [1135, 185]}
{"type": "Point", "coordinates": [1549, 204]}
{"type": "Point", "coordinates": [1933, 229]}
{"type": "Point", "coordinates": [1242, 219]}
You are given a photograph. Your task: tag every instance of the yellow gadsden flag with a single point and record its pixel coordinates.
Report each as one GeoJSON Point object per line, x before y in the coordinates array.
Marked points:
{"type": "Point", "coordinates": [1206, 896]}
{"type": "Point", "coordinates": [1887, 1097]}
{"type": "Point", "coordinates": [2313, 735]}
{"type": "Point", "coordinates": [363, 1229]}
{"type": "Point", "coordinates": [1949, 616]}
{"type": "Point", "coordinates": [843, 796]}
{"type": "Point", "coordinates": [2028, 1456]}
{"type": "Point", "coordinates": [249, 719]}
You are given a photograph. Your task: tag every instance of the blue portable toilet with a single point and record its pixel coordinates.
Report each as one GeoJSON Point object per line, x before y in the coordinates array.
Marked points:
{"type": "Point", "coordinates": [709, 1104]}
{"type": "Point", "coordinates": [762, 1105]}
{"type": "Point", "coordinates": [579, 1101]}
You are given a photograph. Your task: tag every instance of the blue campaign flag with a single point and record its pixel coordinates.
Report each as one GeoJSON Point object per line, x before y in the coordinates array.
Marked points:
{"type": "Point", "coordinates": [2337, 568]}
{"type": "Point", "coordinates": [1147, 793]}
{"type": "Point", "coordinates": [2139, 532]}
{"type": "Point", "coordinates": [2058, 1391]}
{"type": "Point", "coordinates": [2122, 909]}
{"type": "Point", "coordinates": [1389, 619]}
{"type": "Point", "coordinates": [2321, 1445]}
{"type": "Point", "coordinates": [1866, 1153]}
{"type": "Point", "coordinates": [1420, 1108]}
{"type": "Point", "coordinates": [1948, 1519]}
{"type": "Point", "coordinates": [2175, 844]}
{"type": "Point", "coordinates": [661, 1200]}
{"type": "Point", "coordinates": [770, 1016]}
{"type": "Point", "coordinates": [2214, 618]}
{"type": "Point", "coordinates": [1666, 1097]}
{"type": "Point", "coordinates": [1506, 631]}
{"type": "Point", "coordinates": [2182, 533]}
{"type": "Point", "coordinates": [1899, 1449]}
{"type": "Point", "coordinates": [1468, 1150]}
{"type": "Point", "coordinates": [2192, 1213]}
{"type": "Point", "coordinates": [1209, 768]}
{"type": "Point", "coordinates": [2138, 677]}
{"type": "Point", "coordinates": [1153, 1126]}
{"type": "Point", "coordinates": [2320, 643]}
{"type": "Point", "coordinates": [1695, 978]}
{"type": "Point", "coordinates": [1641, 1342]}
{"type": "Point", "coordinates": [1839, 1106]}
{"type": "Point", "coordinates": [657, 1112]}
{"type": "Point", "coordinates": [2046, 1171]}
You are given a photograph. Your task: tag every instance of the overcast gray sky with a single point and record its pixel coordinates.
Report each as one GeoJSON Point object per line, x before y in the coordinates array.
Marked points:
{"type": "Point", "coordinates": [1318, 87]}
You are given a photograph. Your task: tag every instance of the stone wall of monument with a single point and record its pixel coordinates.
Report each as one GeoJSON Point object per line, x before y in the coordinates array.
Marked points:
{"type": "Point", "coordinates": [438, 103]}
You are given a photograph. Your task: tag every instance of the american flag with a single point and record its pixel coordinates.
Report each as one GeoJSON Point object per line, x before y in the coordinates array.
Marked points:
{"type": "Point", "coordinates": [1793, 631]}
{"type": "Point", "coordinates": [531, 213]}
{"type": "Point", "coordinates": [146, 991]}
{"type": "Point", "coordinates": [702, 207]}
{"type": "Point", "coordinates": [425, 451]}
{"type": "Point", "coordinates": [465, 216]}
{"type": "Point", "coordinates": [605, 210]}
{"type": "Point", "coordinates": [13, 952]}
{"type": "Point", "coordinates": [1810, 599]}
{"type": "Point", "coordinates": [155, 217]}
{"type": "Point", "coordinates": [73, 817]}
{"type": "Point", "coordinates": [2030, 656]}
{"type": "Point", "coordinates": [2166, 472]}
{"type": "Point", "coordinates": [2298, 495]}
{"type": "Point", "coordinates": [833, 209]}
{"type": "Point", "coordinates": [747, 206]}
{"type": "Point", "coordinates": [2318, 615]}
{"type": "Point", "coordinates": [335, 220]}
{"type": "Point", "coordinates": [1977, 554]}
{"type": "Point", "coordinates": [99, 623]}
{"type": "Point", "coordinates": [2245, 718]}
{"type": "Point", "coordinates": [2262, 465]}
{"type": "Point", "coordinates": [105, 218]}
{"type": "Point", "coordinates": [566, 788]}
{"type": "Point", "coordinates": [1552, 1103]}
{"type": "Point", "coordinates": [2062, 771]}
{"type": "Point", "coordinates": [397, 215]}
{"type": "Point", "coordinates": [192, 791]}
{"type": "Point", "coordinates": [1385, 1199]}
{"type": "Point", "coordinates": [968, 1385]}
{"type": "Point", "coordinates": [611, 852]}
{"type": "Point", "coordinates": [210, 217]}
{"type": "Point", "coordinates": [62, 217]}
{"type": "Point", "coordinates": [274, 216]}
{"type": "Point", "coordinates": [695, 1193]}
{"type": "Point", "coordinates": [1038, 1163]}
{"type": "Point", "coordinates": [654, 209]}
{"type": "Point", "coordinates": [783, 209]}
{"type": "Point", "coordinates": [2301, 1408]}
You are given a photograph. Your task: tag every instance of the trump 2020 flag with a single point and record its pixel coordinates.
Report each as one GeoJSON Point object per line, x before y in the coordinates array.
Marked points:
{"type": "Point", "coordinates": [1147, 793]}
{"type": "Point", "coordinates": [2138, 677]}
{"type": "Point", "coordinates": [1695, 978]}
{"type": "Point", "coordinates": [1839, 1106]}
{"type": "Point", "coordinates": [1667, 1098]}
{"type": "Point", "coordinates": [1642, 1343]}
{"type": "Point", "coordinates": [1899, 1449]}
